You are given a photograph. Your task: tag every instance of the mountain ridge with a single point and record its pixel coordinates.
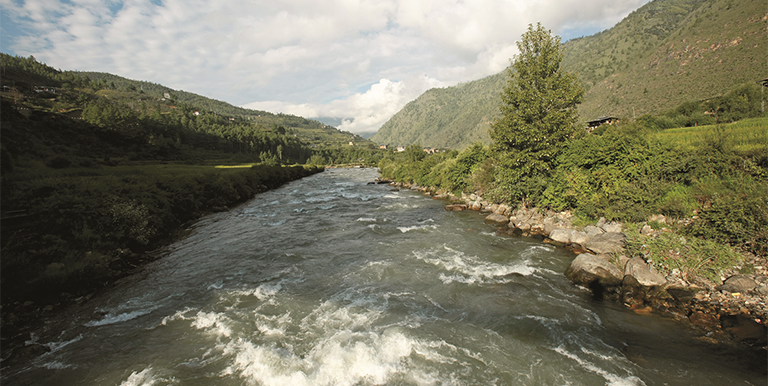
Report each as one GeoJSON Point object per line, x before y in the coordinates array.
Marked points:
{"type": "Point", "coordinates": [662, 54]}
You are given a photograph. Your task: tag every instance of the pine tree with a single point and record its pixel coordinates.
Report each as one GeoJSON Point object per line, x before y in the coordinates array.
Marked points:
{"type": "Point", "coordinates": [538, 116]}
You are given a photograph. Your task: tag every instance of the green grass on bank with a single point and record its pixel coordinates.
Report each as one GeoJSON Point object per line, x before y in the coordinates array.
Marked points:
{"type": "Point", "coordinates": [73, 229]}
{"type": "Point", "coordinates": [745, 136]}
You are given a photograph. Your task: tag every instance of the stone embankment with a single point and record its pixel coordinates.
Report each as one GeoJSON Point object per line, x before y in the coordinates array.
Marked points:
{"type": "Point", "coordinates": [735, 309]}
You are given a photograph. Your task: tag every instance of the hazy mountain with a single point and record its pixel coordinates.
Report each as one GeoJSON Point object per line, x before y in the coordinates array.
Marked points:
{"type": "Point", "coordinates": [662, 54]}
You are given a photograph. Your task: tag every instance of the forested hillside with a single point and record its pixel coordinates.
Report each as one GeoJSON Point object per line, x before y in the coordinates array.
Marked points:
{"type": "Point", "coordinates": [664, 54]}
{"type": "Point", "coordinates": [309, 131]}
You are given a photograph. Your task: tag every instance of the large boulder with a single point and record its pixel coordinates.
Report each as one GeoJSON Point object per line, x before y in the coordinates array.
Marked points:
{"type": "Point", "coordinates": [592, 231]}
{"type": "Point", "coordinates": [738, 283]}
{"type": "Point", "coordinates": [579, 237]}
{"type": "Point", "coordinates": [612, 227]}
{"type": "Point", "coordinates": [595, 273]}
{"type": "Point", "coordinates": [644, 274]}
{"type": "Point", "coordinates": [497, 219]}
{"type": "Point", "coordinates": [606, 243]}
{"type": "Point", "coordinates": [561, 235]}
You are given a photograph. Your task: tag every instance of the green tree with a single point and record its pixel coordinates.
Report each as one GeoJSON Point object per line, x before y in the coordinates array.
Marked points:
{"type": "Point", "coordinates": [414, 153]}
{"type": "Point", "coordinates": [538, 115]}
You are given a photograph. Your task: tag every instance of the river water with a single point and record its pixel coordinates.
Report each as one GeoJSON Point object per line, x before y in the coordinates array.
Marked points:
{"type": "Point", "coordinates": [331, 281]}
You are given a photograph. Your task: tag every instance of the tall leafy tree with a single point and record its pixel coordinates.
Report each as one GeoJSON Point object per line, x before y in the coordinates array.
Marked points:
{"type": "Point", "coordinates": [538, 115]}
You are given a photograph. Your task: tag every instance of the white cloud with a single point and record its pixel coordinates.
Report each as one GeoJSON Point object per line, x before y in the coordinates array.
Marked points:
{"type": "Point", "coordinates": [361, 60]}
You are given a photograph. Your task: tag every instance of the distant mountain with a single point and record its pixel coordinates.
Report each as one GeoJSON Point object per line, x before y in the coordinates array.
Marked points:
{"type": "Point", "coordinates": [446, 117]}
{"type": "Point", "coordinates": [308, 130]}
{"type": "Point", "coordinates": [664, 53]}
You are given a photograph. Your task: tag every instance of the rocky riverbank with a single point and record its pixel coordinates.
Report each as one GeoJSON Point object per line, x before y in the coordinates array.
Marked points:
{"type": "Point", "coordinates": [733, 309]}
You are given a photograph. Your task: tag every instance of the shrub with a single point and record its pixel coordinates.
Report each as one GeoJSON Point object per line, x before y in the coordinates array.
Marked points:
{"type": "Point", "coordinates": [678, 202]}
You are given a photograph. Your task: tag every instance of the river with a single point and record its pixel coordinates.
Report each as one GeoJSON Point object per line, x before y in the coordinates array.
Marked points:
{"type": "Point", "coordinates": [333, 281]}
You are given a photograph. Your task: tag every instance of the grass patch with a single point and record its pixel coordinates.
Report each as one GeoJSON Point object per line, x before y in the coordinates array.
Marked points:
{"type": "Point", "coordinates": [691, 256]}
{"type": "Point", "coordinates": [747, 136]}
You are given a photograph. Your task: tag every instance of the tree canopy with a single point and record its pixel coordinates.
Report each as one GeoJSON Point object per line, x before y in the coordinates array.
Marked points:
{"type": "Point", "coordinates": [538, 115]}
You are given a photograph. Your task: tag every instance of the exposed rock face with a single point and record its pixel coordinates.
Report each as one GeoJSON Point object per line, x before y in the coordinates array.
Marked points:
{"type": "Point", "coordinates": [644, 274]}
{"type": "Point", "coordinates": [606, 242]}
{"type": "Point", "coordinates": [597, 274]}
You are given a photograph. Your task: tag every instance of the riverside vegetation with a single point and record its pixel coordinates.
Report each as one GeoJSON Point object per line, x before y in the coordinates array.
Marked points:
{"type": "Point", "coordinates": [98, 172]}
{"type": "Point", "coordinates": [708, 182]}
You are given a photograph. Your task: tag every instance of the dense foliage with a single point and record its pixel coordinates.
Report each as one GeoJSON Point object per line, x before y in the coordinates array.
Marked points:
{"type": "Point", "coordinates": [538, 116]}
{"type": "Point", "coordinates": [451, 171]}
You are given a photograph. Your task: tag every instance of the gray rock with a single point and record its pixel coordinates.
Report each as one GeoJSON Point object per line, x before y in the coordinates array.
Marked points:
{"type": "Point", "coordinates": [738, 283]}
{"type": "Point", "coordinates": [579, 237]}
{"type": "Point", "coordinates": [606, 243]}
{"type": "Point", "coordinates": [549, 226]}
{"type": "Point", "coordinates": [561, 235]}
{"type": "Point", "coordinates": [647, 230]}
{"type": "Point", "coordinates": [644, 274]}
{"type": "Point", "coordinates": [538, 229]}
{"type": "Point", "coordinates": [601, 222]}
{"type": "Point", "coordinates": [683, 294]}
{"type": "Point", "coordinates": [496, 219]}
{"type": "Point", "coordinates": [612, 227]}
{"type": "Point", "coordinates": [587, 268]}
{"type": "Point", "coordinates": [592, 231]}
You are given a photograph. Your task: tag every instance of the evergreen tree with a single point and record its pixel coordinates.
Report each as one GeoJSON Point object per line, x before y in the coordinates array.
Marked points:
{"type": "Point", "coordinates": [538, 116]}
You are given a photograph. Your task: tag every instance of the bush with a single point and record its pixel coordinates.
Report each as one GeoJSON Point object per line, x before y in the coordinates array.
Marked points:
{"type": "Point", "coordinates": [678, 202]}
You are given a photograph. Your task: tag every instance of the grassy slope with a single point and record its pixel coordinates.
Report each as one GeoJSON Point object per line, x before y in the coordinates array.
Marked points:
{"type": "Point", "coordinates": [748, 136]}
{"type": "Point", "coordinates": [664, 53]}
{"type": "Point", "coordinates": [717, 46]}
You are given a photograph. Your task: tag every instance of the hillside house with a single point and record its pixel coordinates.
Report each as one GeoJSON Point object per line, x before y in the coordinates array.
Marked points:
{"type": "Point", "coordinates": [42, 89]}
{"type": "Point", "coordinates": [383, 147]}
{"type": "Point", "coordinates": [595, 123]}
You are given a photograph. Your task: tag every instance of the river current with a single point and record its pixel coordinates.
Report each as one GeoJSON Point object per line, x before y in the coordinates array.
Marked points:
{"type": "Point", "coordinates": [333, 281]}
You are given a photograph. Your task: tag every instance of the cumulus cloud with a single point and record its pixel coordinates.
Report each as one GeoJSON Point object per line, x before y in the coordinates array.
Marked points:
{"type": "Point", "coordinates": [353, 59]}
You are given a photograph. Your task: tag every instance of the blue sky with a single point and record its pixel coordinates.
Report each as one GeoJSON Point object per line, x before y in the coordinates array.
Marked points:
{"type": "Point", "coordinates": [358, 60]}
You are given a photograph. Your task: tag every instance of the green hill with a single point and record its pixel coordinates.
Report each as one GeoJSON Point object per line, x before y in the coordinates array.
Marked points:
{"type": "Point", "coordinates": [446, 117]}
{"type": "Point", "coordinates": [308, 130]}
{"type": "Point", "coordinates": [664, 53]}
